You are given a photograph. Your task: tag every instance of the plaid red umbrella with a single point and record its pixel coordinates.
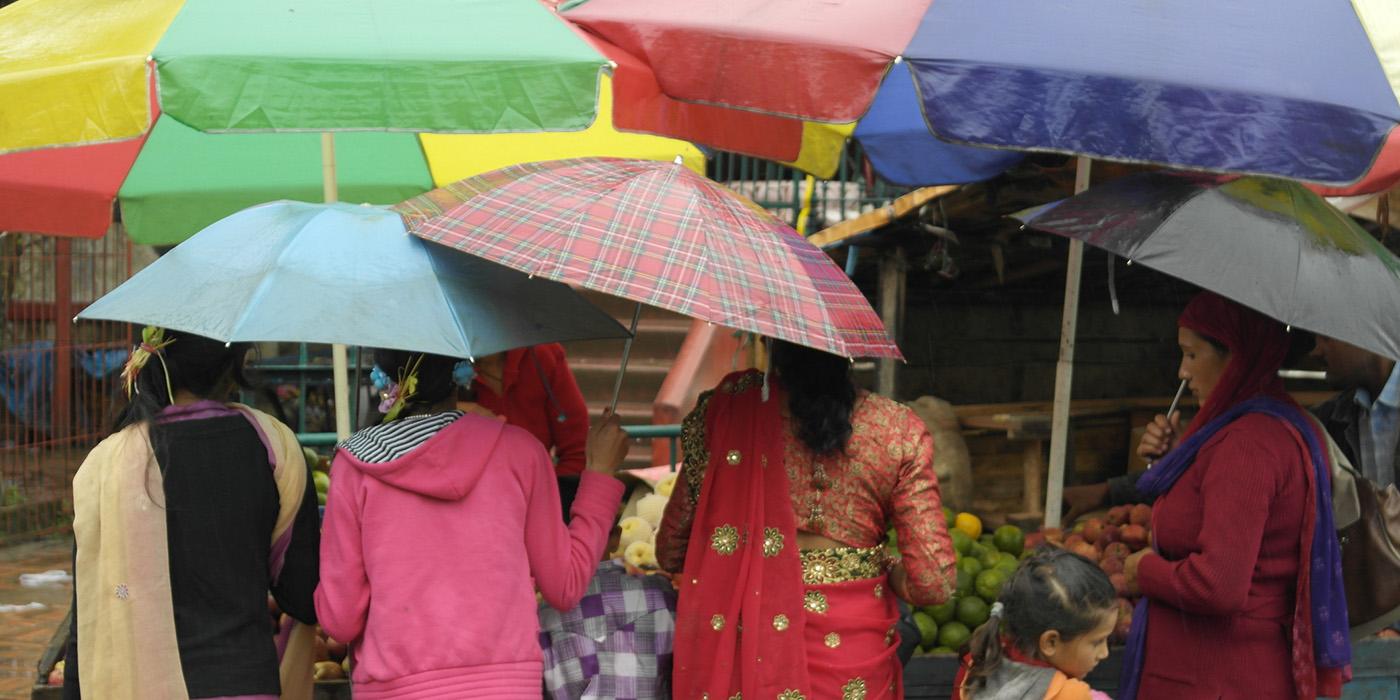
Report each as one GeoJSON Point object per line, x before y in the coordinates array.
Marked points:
{"type": "Point", "coordinates": [658, 234]}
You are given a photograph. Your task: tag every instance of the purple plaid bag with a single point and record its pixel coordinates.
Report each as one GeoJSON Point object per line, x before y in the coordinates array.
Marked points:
{"type": "Point", "coordinates": [615, 644]}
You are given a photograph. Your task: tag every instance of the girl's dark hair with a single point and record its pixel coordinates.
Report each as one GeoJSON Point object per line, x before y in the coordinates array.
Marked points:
{"type": "Point", "coordinates": [434, 375]}
{"type": "Point", "coordinates": [821, 396]}
{"type": "Point", "coordinates": [1053, 589]}
{"type": "Point", "coordinates": [203, 366]}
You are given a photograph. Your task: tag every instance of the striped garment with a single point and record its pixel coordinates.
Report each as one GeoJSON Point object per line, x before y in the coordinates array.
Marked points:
{"type": "Point", "coordinates": [387, 442]}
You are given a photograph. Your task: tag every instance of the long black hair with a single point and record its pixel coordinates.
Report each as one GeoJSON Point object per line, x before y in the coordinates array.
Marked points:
{"type": "Point", "coordinates": [207, 368]}
{"type": "Point", "coordinates": [821, 395]}
{"type": "Point", "coordinates": [434, 376]}
{"type": "Point", "coordinates": [1053, 589]}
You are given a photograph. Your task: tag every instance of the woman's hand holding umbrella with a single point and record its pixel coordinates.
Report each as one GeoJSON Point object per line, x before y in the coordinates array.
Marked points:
{"type": "Point", "coordinates": [607, 444]}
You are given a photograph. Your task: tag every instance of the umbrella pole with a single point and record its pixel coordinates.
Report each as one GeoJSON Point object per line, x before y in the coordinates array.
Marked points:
{"type": "Point", "coordinates": [1064, 368]}
{"type": "Point", "coordinates": [626, 352]}
{"type": "Point", "coordinates": [340, 365]}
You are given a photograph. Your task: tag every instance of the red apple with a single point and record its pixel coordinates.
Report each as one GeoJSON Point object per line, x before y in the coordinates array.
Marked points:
{"type": "Point", "coordinates": [1084, 549]}
{"type": "Point", "coordinates": [1141, 515]}
{"type": "Point", "coordinates": [1111, 565]}
{"type": "Point", "coordinates": [1111, 533]}
{"type": "Point", "coordinates": [1120, 584]}
{"type": "Point", "coordinates": [56, 675]}
{"type": "Point", "coordinates": [1073, 540]}
{"type": "Point", "coordinates": [1093, 530]}
{"type": "Point", "coordinates": [1125, 619]}
{"type": "Point", "coordinates": [1035, 539]}
{"type": "Point", "coordinates": [1116, 550]}
{"type": "Point", "coordinates": [1118, 515]}
{"type": "Point", "coordinates": [1054, 535]}
{"type": "Point", "coordinates": [1135, 536]}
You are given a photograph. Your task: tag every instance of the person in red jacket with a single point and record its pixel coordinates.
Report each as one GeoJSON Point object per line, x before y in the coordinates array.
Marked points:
{"type": "Point", "coordinates": [1242, 588]}
{"type": "Point", "coordinates": [533, 388]}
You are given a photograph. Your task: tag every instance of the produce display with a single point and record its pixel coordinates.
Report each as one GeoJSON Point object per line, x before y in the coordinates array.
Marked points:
{"type": "Point", "coordinates": [320, 472]}
{"type": "Point", "coordinates": [987, 560]}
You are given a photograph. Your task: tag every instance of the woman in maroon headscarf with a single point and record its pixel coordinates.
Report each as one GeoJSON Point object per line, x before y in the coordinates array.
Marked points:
{"type": "Point", "coordinates": [1242, 590]}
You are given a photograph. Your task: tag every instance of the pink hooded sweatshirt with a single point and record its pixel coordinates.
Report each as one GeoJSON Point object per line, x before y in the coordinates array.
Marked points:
{"type": "Point", "coordinates": [427, 561]}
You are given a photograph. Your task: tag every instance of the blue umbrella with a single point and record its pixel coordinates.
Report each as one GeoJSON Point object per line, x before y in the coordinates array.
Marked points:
{"type": "Point", "coordinates": [350, 274]}
{"type": "Point", "coordinates": [902, 150]}
{"type": "Point", "coordinates": [1294, 88]}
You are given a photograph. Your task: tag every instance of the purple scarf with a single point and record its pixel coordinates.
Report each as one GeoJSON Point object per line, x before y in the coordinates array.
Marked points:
{"type": "Point", "coordinates": [1331, 643]}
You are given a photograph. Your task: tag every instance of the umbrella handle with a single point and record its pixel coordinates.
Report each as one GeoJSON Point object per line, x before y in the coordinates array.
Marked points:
{"type": "Point", "coordinates": [626, 353]}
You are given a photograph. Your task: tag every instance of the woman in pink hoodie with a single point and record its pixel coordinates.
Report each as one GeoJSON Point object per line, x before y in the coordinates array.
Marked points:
{"type": "Point", "coordinates": [439, 528]}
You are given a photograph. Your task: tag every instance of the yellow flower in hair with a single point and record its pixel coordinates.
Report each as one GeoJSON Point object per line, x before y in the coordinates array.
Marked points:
{"type": "Point", "coordinates": [153, 340]}
{"type": "Point", "coordinates": [400, 393]}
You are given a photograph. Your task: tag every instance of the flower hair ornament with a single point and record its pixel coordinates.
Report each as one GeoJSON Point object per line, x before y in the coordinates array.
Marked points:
{"type": "Point", "coordinates": [395, 395]}
{"type": "Point", "coordinates": [153, 341]}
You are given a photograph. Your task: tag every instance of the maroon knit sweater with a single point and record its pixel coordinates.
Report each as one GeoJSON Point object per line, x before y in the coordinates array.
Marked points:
{"type": "Point", "coordinates": [1222, 593]}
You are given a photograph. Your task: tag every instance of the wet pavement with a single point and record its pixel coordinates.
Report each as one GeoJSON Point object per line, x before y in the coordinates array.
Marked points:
{"type": "Point", "coordinates": [25, 634]}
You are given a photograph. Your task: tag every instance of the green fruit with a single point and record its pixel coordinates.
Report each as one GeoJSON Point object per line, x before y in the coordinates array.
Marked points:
{"type": "Point", "coordinates": [943, 613]}
{"type": "Point", "coordinates": [988, 585]}
{"type": "Point", "coordinates": [949, 515]}
{"type": "Point", "coordinates": [942, 650]}
{"type": "Point", "coordinates": [953, 635]}
{"type": "Point", "coordinates": [971, 566]}
{"type": "Point", "coordinates": [972, 611]}
{"type": "Point", "coordinates": [321, 498]}
{"type": "Point", "coordinates": [977, 550]}
{"type": "Point", "coordinates": [990, 558]}
{"type": "Point", "coordinates": [928, 629]}
{"type": "Point", "coordinates": [961, 542]}
{"type": "Point", "coordinates": [965, 583]}
{"type": "Point", "coordinates": [322, 481]}
{"type": "Point", "coordinates": [1009, 539]}
{"type": "Point", "coordinates": [1007, 564]}
{"type": "Point", "coordinates": [312, 459]}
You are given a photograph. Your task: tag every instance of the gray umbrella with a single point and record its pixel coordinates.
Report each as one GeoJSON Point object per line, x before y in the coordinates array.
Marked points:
{"type": "Point", "coordinates": [1268, 244]}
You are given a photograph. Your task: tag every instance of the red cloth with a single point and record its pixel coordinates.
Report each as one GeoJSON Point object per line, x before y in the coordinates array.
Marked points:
{"type": "Point", "coordinates": [741, 613]}
{"type": "Point", "coordinates": [529, 377]}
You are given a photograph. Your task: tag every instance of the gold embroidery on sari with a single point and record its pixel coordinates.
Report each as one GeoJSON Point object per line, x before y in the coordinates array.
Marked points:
{"type": "Point", "coordinates": [725, 539]}
{"type": "Point", "coordinates": [840, 564]}
{"type": "Point", "coordinates": [832, 640]}
{"type": "Point", "coordinates": [854, 689]}
{"type": "Point", "coordinates": [780, 622]}
{"type": "Point", "coordinates": [717, 622]}
{"type": "Point", "coordinates": [815, 601]}
{"type": "Point", "coordinates": [791, 694]}
{"type": "Point", "coordinates": [733, 457]}
{"type": "Point", "coordinates": [772, 542]}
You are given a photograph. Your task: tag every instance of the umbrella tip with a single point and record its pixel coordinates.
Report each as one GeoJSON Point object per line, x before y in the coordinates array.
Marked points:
{"type": "Point", "coordinates": [1130, 261]}
{"type": "Point", "coordinates": [75, 319]}
{"type": "Point", "coordinates": [680, 160]}
{"type": "Point", "coordinates": [228, 344]}
{"type": "Point", "coordinates": [898, 60]}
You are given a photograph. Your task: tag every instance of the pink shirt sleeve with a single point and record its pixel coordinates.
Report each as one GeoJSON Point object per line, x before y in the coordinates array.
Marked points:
{"type": "Point", "coordinates": [564, 557]}
{"type": "Point", "coordinates": [342, 597]}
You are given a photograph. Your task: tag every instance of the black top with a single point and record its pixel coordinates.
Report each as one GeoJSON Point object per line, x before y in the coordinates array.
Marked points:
{"type": "Point", "coordinates": [221, 508]}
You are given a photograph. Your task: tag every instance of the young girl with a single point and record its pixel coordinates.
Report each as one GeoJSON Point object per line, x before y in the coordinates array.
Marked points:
{"type": "Point", "coordinates": [1047, 631]}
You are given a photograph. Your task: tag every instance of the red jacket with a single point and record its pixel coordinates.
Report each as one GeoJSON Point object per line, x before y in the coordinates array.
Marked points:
{"type": "Point", "coordinates": [1221, 597]}
{"type": "Point", "coordinates": [541, 396]}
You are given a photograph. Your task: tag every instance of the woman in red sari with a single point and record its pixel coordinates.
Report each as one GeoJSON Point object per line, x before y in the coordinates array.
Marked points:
{"type": "Point", "coordinates": [788, 489]}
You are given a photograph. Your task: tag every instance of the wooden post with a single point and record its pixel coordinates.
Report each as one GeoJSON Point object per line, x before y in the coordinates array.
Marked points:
{"type": "Point", "coordinates": [340, 363]}
{"type": "Point", "coordinates": [62, 415]}
{"type": "Point", "coordinates": [1064, 368]}
{"type": "Point", "coordinates": [892, 274]}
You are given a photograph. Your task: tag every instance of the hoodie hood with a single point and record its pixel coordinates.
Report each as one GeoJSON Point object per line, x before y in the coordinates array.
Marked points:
{"type": "Point", "coordinates": [441, 456]}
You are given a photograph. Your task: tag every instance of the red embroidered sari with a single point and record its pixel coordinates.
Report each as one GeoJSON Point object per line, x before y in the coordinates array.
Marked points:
{"type": "Point", "coordinates": [756, 616]}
